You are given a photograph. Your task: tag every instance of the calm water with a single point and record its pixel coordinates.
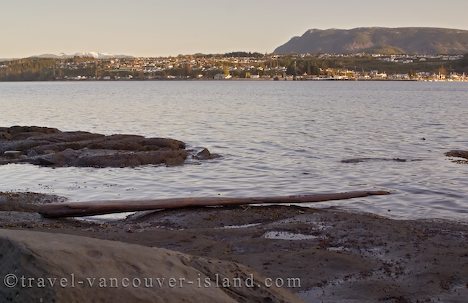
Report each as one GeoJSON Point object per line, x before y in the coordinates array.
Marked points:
{"type": "Point", "coordinates": [276, 138]}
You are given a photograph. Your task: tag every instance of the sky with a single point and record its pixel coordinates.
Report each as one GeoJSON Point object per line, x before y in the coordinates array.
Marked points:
{"type": "Point", "coordinates": [172, 27]}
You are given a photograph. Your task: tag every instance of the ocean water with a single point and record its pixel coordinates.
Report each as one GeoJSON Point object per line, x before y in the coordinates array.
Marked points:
{"type": "Point", "coordinates": [276, 138]}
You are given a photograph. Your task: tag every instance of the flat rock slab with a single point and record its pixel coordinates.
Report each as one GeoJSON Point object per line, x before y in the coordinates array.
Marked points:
{"type": "Point", "coordinates": [26, 201]}
{"type": "Point", "coordinates": [360, 160]}
{"type": "Point", "coordinates": [337, 255]}
{"type": "Point", "coordinates": [95, 270]}
{"type": "Point", "coordinates": [45, 146]}
{"type": "Point", "coordinates": [458, 154]}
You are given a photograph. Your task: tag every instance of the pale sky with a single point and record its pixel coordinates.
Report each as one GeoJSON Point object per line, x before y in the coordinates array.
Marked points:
{"type": "Point", "coordinates": [172, 27]}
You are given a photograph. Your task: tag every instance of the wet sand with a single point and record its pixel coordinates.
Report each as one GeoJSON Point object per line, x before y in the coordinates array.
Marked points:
{"type": "Point", "coordinates": [338, 255]}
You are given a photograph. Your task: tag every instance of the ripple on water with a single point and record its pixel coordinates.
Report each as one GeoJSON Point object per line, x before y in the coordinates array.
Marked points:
{"type": "Point", "coordinates": [275, 138]}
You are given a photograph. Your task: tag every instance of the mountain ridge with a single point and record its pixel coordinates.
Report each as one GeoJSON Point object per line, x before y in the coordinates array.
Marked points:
{"type": "Point", "coordinates": [409, 40]}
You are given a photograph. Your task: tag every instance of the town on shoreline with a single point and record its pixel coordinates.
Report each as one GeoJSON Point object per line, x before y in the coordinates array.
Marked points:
{"type": "Point", "coordinates": [239, 66]}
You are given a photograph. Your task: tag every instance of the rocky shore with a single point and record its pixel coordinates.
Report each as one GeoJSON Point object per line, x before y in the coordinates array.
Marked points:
{"type": "Point", "coordinates": [331, 255]}
{"type": "Point", "coordinates": [92, 270]}
{"type": "Point", "coordinates": [338, 256]}
{"type": "Point", "coordinates": [51, 147]}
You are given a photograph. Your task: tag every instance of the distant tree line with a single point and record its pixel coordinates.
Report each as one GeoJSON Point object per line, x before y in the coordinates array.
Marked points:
{"type": "Point", "coordinates": [462, 65]}
{"type": "Point", "coordinates": [243, 55]}
{"type": "Point", "coordinates": [28, 70]}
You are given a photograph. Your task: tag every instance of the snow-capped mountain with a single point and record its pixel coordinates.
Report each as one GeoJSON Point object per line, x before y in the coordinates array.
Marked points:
{"type": "Point", "coordinates": [95, 55]}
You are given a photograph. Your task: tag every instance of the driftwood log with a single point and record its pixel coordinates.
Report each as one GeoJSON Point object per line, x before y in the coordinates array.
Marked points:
{"type": "Point", "coordinates": [82, 209]}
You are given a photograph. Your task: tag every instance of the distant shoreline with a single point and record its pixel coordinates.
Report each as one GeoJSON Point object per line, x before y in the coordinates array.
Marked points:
{"type": "Point", "coordinates": [240, 80]}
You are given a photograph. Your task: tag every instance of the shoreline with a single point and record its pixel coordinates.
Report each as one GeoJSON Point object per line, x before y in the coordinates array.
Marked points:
{"type": "Point", "coordinates": [237, 80]}
{"type": "Point", "coordinates": [337, 254]}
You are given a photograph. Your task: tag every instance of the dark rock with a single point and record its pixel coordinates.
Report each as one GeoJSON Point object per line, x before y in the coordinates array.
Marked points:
{"type": "Point", "coordinates": [26, 201]}
{"type": "Point", "coordinates": [458, 154]}
{"type": "Point", "coordinates": [359, 160]}
{"type": "Point", "coordinates": [12, 154]}
{"type": "Point", "coordinates": [5, 136]}
{"type": "Point", "coordinates": [52, 147]}
{"type": "Point", "coordinates": [205, 154]}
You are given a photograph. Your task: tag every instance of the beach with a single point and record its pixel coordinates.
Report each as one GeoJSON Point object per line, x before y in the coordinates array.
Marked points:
{"type": "Point", "coordinates": [336, 255]}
